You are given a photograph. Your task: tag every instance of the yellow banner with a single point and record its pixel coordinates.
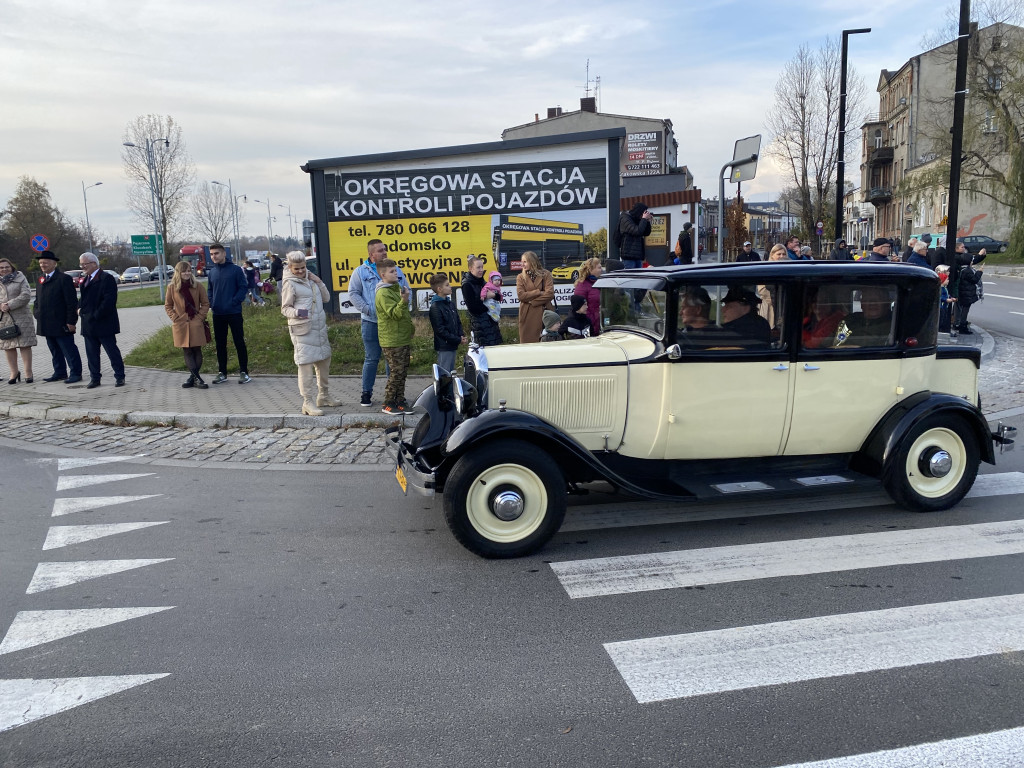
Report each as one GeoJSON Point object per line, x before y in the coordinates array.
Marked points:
{"type": "Point", "coordinates": [420, 246]}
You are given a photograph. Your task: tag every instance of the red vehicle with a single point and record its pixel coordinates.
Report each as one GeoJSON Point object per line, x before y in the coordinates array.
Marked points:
{"type": "Point", "coordinates": [199, 256]}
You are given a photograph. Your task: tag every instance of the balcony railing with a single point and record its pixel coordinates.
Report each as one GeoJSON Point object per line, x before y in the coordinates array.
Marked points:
{"type": "Point", "coordinates": [879, 195]}
{"type": "Point", "coordinates": [880, 156]}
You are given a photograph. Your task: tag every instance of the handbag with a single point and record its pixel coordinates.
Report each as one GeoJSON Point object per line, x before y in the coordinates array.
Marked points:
{"type": "Point", "coordinates": [206, 331]}
{"type": "Point", "coordinates": [11, 331]}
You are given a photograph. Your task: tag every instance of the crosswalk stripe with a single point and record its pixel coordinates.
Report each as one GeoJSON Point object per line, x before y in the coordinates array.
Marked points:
{"type": "Point", "coordinates": [1000, 749]}
{"type": "Point", "coordinates": [71, 482]}
{"type": "Point", "coordinates": [31, 628]}
{"type": "Point", "coordinates": [26, 700]}
{"type": "Point", "coordinates": [694, 664]}
{"type": "Point", "coordinates": [54, 575]}
{"type": "Point", "coordinates": [65, 535]}
{"type": "Point", "coordinates": [619, 515]}
{"type": "Point", "coordinates": [81, 503]}
{"type": "Point", "coordinates": [66, 464]}
{"type": "Point", "coordinates": [799, 557]}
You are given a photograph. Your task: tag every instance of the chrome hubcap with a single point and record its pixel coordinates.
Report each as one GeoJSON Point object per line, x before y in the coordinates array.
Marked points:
{"type": "Point", "coordinates": [507, 505]}
{"type": "Point", "coordinates": [940, 464]}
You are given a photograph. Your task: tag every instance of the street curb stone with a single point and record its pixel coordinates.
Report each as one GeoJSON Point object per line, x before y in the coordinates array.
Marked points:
{"type": "Point", "coordinates": [378, 419]}
{"type": "Point", "coordinates": [5, 408]}
{"type": "Point", "coordinates": [68, 413]}
{"type": "Point", "coordinates": [257, 420]}
{"type": "Point", "coordinates": [151, 417]}
{"type": "Point", "coordinates": [201, 420]}
{"type": "Point", "coordinates": [329, 421]}
{"type": "Point", "coordinates": [29, 411]}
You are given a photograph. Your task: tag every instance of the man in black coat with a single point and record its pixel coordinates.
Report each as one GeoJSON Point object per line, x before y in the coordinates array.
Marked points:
{"type": "Point", "coordinates": [634, 225]}
{"type": "Point", "coordinates": [748, 253]}
{"type": "Point", "coordinates": [100, 324]}
{"type": "Point", "coordinates": [56, 313]}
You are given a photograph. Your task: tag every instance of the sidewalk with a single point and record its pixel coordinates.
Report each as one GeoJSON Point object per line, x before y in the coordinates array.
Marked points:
{"type": "Point", "coordinates": [155, 397]}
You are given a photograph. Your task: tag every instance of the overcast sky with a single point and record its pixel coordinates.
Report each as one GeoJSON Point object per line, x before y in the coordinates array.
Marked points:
{"type": "Point", "coordinates": [261, 87]}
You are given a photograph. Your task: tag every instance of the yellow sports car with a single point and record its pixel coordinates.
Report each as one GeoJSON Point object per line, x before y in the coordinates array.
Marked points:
{"type": "Point", "coordinates": [570, 272]}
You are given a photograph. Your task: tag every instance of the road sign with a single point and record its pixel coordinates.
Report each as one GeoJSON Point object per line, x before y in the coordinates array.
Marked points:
{"type": "Point", "coordinates": [820, 224]}
{"type": "Point", "coordinates": [147, 245]}
{"type": "Point", "coordinates": [39, 243]}
{"type": "Point", "coordinates": [818, 231]}
{"type": "Point", "coordinates": [744, 150]}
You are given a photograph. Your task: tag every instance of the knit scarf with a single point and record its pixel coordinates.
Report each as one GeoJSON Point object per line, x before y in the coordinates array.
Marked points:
{"type": "Point", "coordinates": [190, 304]}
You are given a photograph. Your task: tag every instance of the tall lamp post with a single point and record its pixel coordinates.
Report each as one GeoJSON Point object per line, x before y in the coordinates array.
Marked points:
{"type": "Point", "coordinates": [151, 166]}
{"type": "Point", "coordinates": [291, 230]}
{"type": "Point", "coordinates": [270, 230]}
{"type": "Point", "coordinates": [841, 161]}
{"type": "Point", "coordinates": [234, 213]}
{"type": "Point", "coordinates": [88, 226]}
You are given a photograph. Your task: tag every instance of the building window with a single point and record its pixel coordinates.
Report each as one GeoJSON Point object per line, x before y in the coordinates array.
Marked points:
{"type": "Point", "coordinates": [988, 125]}
{"type": "Point", "coordinates": [944, 204]}
{"type": "Point", "coordinates": [997, 42]}
{"type": "Point", "coordinates": [995, 78]}
{"type": "Point", "coordinates": [878, 138]}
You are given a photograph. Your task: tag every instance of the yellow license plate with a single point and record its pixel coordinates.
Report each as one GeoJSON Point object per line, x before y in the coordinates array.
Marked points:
{"type": "Point", "coordinates": [400, 477]}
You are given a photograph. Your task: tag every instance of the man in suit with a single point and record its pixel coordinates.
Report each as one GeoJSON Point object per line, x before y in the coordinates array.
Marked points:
{"type": "Point", "coordinates": [100, 324]}
{"type": "Point", "coordinates": [56, 313]}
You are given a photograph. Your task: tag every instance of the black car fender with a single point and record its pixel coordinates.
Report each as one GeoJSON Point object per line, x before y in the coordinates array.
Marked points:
{"type": "Point", "coordinates": [576, 462]}
{"type": "Point", "coordinates": [888, 434]}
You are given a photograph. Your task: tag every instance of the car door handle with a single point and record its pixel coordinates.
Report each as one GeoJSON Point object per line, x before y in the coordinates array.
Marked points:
{"type": "Point", "coordinates": [811, 367]}
{"type": "Point", "coordinates": [781, 367]}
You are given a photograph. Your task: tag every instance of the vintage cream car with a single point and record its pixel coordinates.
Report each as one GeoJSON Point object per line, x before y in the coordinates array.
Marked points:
{"type": "Point", "coordinates": [707, 381]}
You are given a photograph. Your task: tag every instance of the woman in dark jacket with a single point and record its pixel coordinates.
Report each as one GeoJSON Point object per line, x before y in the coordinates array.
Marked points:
{"type": "Point", "coordinates": [589, 272]}
{"type": "Point", "coordinates": [634, 226]}
{"type": "Point", "coordinates": [485, 331]}
{"type": "Point", "coordinates": [970, 282]}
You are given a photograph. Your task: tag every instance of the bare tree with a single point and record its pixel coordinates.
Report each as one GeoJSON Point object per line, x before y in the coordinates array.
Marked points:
{"type": "Point", "coordinates": [985, 12]}
{"type": "Point", "coordinates": [211, 212]}
{"type": "Point", "coordinates": [30, 211]}
{"type": "Point", "coordinates": [803, 126]}
{"type": "Point", "coordinates": [173, 171]}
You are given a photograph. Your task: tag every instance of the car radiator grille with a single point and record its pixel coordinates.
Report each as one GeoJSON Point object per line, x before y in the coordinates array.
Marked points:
{"type": "Point", "coordinates": [584, 405]}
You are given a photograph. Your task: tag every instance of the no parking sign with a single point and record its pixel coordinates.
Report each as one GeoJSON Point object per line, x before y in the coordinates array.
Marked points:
{"type": "Point", "coordinates": [39, 243]}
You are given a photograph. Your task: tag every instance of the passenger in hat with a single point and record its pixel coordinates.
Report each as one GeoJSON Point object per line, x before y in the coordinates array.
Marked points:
{"type": "Point", "coordinates": [872, 325]}
{"type": "Point", "coordinates": [740, 320]}
{"type": "Point", "coordinates": [748, 253]}
{"type": "Point", "coordinates": [577, 324]}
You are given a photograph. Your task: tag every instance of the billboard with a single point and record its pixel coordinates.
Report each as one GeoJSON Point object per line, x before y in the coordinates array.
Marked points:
{"type": "Point", "coordinates": [435, 208]}
{"type": "Point", "coordinates": [644, 154]}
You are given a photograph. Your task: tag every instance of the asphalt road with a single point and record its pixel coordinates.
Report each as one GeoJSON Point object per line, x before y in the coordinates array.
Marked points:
{"type": "Point", "coordinates": [1002, 310]}
{"type": "Point", "coordinates": [308, 618]}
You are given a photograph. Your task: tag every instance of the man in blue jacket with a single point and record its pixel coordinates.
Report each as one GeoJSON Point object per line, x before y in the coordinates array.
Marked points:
{"type": "Point", "coordinates": [362, 292]}
{"type": "Point", "coordinates": [227, 288]}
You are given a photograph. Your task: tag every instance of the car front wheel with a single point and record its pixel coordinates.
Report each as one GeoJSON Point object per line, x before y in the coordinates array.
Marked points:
{"type": "Point", "coordinates": [506, 499]}
{"type": "Point", "coordinates": [935, 465]}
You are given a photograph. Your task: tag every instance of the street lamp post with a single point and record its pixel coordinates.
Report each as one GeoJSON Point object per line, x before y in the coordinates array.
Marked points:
{"type": "Point", "coordinates": [270, 230]}
{"type": "Point", "coordinates": [88, 226]}
{"type": "Point", "coordinates": [234, 213]}
{"type": "Point", "coordinates": [291, 230]}
{"type": "Point", "coordinates": [841, 160]}
{"type": "Point", "coordinates": [151, 166]}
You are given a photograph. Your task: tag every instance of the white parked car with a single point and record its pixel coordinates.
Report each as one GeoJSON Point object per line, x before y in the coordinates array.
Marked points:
{"type": "Point", "coordinates": [135, 275]}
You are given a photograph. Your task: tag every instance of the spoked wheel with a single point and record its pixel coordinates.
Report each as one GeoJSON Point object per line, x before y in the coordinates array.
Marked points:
{"type": "Point", "coordinates": [935, 466]}
{"type": "Point", "coordinates": [505, 499]}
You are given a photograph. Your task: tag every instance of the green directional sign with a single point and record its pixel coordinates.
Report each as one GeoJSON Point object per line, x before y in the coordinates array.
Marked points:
{"type": "Point", "coordinates": [147, 245]}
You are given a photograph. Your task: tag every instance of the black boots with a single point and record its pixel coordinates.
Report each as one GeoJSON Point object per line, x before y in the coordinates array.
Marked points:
{"type": "Point", "coordinates": [195, 380]}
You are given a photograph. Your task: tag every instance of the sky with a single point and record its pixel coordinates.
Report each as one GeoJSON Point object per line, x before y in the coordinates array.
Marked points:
{"type": "Point", "coordinates": [261, 87]}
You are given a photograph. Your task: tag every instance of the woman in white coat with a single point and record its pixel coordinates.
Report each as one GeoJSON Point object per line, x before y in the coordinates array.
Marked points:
{"type": "Point", "coordinates": [302, 301]}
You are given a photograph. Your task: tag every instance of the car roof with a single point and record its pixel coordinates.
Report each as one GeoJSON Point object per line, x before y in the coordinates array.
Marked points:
{"type": "Point", "coordinates": [760, 271]}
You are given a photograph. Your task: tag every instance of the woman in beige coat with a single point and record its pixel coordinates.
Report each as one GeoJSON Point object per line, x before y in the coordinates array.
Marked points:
{"type": "Point", "coordinates": [15, 295]}
{"type": "Point", "coordinates": [302, 301]}
{"type": "Point", "coordinates": [187, 305]}
{"type": "Point", "coordinates": [536, 290]}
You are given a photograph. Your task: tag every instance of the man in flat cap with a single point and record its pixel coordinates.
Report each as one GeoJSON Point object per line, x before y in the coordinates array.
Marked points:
{"type": "Point", "coordinates": [56, 313]}
{"type": "Point", "coordinates": [880, 250]}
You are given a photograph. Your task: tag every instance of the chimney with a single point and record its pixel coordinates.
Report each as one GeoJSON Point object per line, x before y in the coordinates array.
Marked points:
{"type": "Point", "coordinates": [536, 117]}
{"type": "Point", "coordinates": [588, 104]}
{"type": "Point", "coordinates": [552, 112]}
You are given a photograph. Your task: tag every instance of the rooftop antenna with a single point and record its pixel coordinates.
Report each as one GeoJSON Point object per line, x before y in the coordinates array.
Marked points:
{"type": "Point", "coordinates": [586, 88]}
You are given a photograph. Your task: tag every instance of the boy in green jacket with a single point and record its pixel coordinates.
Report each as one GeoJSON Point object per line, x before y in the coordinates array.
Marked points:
{"type": "Point", "coordinates": [394, 330]}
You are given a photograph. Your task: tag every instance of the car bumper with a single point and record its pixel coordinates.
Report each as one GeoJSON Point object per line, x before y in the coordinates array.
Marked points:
{"type": "Point", "coordinates": [409, 471]}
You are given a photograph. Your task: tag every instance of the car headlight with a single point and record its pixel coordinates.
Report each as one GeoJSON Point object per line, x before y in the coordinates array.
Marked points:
{"type": "Point", "coordinates": [442, 387]}
{"type": "Point", "coordinates": [465, 397]}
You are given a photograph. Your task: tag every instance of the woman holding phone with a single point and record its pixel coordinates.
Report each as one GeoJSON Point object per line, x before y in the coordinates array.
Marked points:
{"type": "Point", "coordinates": [302, 301]}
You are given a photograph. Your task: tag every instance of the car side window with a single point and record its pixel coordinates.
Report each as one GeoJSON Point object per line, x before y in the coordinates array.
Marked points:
{"type": "Point", "coordinates": [848, 316]}
{"type": "Point", "coordinates": [730, 317]}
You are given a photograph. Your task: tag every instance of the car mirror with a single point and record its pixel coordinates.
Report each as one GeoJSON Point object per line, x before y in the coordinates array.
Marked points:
{"type": "Point", "coordinates": [674, 352]}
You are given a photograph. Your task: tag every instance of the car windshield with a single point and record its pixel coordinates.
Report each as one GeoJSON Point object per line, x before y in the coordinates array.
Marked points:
{"type": "Point", "coordinates": [638, 308]}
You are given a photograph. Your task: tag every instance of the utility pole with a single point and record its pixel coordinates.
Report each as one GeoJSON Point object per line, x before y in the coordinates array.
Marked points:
{"type": "Point", "coordinates": [841, 154]}
{"type": "Point", "coordinates": [959, 101]}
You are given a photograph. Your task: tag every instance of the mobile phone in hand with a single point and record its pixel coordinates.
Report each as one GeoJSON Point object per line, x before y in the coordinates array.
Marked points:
{"type": "Point", "coordinates": [303, 312]}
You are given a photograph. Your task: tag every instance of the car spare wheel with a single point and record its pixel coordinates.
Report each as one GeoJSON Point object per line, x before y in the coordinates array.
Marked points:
{"type": "Point", "coordinates": [505, 499]}
{"type": "Point", "coordinates": [935, 465]}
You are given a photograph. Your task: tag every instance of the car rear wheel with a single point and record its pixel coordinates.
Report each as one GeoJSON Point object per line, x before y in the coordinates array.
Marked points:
{"type": "Point", "coordinates": [575, 275]}
{"type": "Point", "coordinates": [935, 465]}
{"type": "Point", "coordinates": [506, 499]}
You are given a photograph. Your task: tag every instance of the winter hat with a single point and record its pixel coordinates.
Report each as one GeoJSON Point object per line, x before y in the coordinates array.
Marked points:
{"type": "Point", "coordinates": [492, 274]}
{"type": "Point", "coordinates": [879, 241]}
{"type": "Point", "coordinates": [577, 301]}
{"type": "Point", "coordinates": [637, 209]}
{"type": "Point", "coordinates": [550, 318]}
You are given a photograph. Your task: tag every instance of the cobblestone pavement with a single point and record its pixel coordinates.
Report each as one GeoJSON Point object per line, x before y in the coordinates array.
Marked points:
{"type": "Point", "coordinates": [1001, 379]}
